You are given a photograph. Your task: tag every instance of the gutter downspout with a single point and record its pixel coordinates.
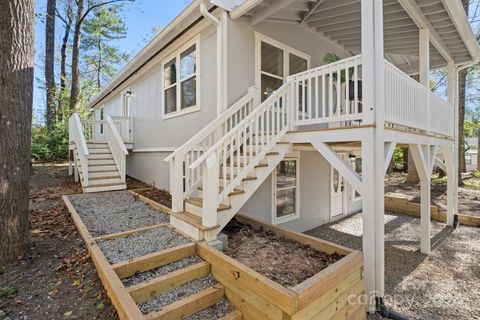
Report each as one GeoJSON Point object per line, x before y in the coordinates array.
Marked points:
{"type": "Point", "coordinates": [220, 56]}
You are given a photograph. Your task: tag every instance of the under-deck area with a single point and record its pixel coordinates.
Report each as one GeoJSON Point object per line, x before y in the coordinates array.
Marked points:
{"type": "Point", "coordinates": [438, 286]}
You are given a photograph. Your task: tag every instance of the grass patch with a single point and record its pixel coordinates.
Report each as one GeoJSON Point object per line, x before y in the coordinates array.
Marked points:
{"type": "Point", "coordinates": [8, 291]}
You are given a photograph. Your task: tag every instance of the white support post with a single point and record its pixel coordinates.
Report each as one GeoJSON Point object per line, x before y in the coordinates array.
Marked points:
{"type": "Point", "coordinates": [452, 185]}
{"type": "Point", "coordinates": [389, 150]}
{"type": "Point", "coordinates": [76, 173]}
{"type": "Point", "coordinates": [422, 156]}
{"type": "Point", "coordinates": [452, 88]}
{"type": "Point", "coordinates": [373, 74]}
{"type": "Point", "coordinates": [424, 67]}
{"type": "Point", "coordinates": [176, 184]}
{"type": "Point", "coordinates": [210, 185]}
{"type": "Point", "coordinates": [424, 59]}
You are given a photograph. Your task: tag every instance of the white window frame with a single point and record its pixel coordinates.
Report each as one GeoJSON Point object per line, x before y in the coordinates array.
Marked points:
{"type": "Point", "coordinates": [295, 156]}
{"type": "Point", "coordinates": [287, 50]}
{"type": "Point", "coordinates": [176, 55]}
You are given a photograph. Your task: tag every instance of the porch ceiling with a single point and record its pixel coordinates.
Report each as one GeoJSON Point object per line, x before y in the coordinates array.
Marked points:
{"type": "Point", "coordinates": [340, 22]}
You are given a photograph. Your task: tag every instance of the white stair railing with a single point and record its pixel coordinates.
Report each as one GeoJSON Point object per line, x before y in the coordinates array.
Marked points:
{"type": "Point", "coordinates": [183, 179]}
{"type": "Point", "coordinates": [76, 135]}
{"type": "Point", "coordinates": [237, 153]}
{"type": "Point", "coordinates": [117, 147]}
{"type": "Point", "coordinates": [125, 128]}
{"type": "Point", "coordinates": [329, 93]}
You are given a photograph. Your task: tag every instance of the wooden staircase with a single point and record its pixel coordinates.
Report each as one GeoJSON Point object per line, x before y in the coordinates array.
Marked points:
{"type": "Point", "coordinates": [190, 220]}
{"type": "Point", "coordinates": [103, 173]}
{"type": "Point", "coordinates": [99, 154]}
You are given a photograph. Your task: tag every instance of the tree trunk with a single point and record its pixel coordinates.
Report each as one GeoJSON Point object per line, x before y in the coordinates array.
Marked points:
{"type": "Point", "coordinates": [16, 92]}
{"type": "Point", "coordinates": [75, 87]}
{"type": "Point", "coordinates": [63, 62]}
{"type": "Point", "coordinates": [412, 174]}
{"type": "Point", "coordinates": [50, 63]}
{"type": "Point", "coordinates": [405, 159]}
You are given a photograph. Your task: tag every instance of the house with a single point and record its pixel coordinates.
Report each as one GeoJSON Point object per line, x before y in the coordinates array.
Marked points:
{"type": "Point", "coordinates": [232, 109]}
{"type": "Point", "coordinates": [471, 153]}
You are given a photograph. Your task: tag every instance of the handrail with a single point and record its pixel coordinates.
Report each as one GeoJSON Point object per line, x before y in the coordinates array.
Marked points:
{"type": "Point", "coordinates": [76, 132]}
{"type": "Point", "coordinates": [119, 151]}
{"type": "Point", "coordinates": [230, 134]}
{"type": "Point", "coordinates": [116, 135]}
{"type": "Point", "coordinates": [214, 125]}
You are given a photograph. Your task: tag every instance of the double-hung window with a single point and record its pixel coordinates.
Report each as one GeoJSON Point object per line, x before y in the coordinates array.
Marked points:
{"type": "Point", "coordinates": [180, 81]}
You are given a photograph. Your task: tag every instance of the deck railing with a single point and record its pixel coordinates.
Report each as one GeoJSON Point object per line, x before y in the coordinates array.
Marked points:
{"type": "Point", "coordinates": [125, 128]}
{"type": "Point", "coordinates": [329, 93]}
{"type": "Point", "coordinates": [408, 103]}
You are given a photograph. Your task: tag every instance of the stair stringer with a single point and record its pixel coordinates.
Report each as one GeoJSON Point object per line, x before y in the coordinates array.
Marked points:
{"type": "Point", "coordinates": [249, 187]}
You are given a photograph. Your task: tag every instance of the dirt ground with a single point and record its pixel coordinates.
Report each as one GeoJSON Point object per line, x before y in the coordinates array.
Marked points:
{"type": "Point", "coordinates": [284, 261]}
{"type": "Point", "coordinates": [468, 196]}
{"type": "Point", "coordinates": [57, 280]}
{"type": "Point", "coordinates": [158, 195]}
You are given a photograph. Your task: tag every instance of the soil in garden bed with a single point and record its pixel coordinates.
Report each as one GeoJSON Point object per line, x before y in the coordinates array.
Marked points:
{"type": "Point", "coordinates": [158, 195]}
{"type": "Point", "coordinates": [282, 260]}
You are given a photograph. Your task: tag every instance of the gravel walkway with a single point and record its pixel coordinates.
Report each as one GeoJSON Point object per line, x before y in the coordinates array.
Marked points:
{"type": "Point", "coordinates": [444, 285]}
{"type": "Point", "coordinates": [213, 312]}
{"type": "Point", "coordinates": [175, 294]}
{"type": "Point", "coordinates": [112, 212]}
{"type": "Point", "coordinates": [140, 244]}
{"type": "Point", "coordinates": [161, 271]}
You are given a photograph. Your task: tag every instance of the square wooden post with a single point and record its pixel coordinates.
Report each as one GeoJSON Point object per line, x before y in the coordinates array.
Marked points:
{"type": "Point", "coordinates": [373, 76]}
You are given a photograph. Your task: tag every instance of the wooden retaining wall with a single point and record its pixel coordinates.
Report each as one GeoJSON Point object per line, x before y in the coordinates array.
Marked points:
{"type": "Point", "coordinates": [326, 295]}
{"type": "Point", "coordinates": [399, 204]}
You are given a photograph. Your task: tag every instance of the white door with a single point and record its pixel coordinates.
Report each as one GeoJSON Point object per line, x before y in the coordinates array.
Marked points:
{"type": "Point", "coordinates": [336, 192]}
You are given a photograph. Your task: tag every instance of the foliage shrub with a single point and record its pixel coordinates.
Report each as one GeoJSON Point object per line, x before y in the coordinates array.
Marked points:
{"type": "Point", "coordinates": [49, 146]}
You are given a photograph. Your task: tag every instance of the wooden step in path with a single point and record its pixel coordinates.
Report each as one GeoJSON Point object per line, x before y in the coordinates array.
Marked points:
{"type": "Point", "coordinates": [126, 299]}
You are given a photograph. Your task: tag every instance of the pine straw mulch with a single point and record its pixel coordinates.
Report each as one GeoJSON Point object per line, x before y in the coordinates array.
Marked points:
{"type": "Point", "coordinates": [285, 261]}
{"type": "Point", "coordinates": [158, 195]}
{"type": "Point", "coordinates": [56, 279]}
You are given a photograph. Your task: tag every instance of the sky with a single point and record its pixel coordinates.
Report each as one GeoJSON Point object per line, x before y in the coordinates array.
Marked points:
{"type": "Point", "coordinates": [140, 18]}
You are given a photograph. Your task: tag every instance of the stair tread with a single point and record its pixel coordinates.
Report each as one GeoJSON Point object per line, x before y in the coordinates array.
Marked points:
{"type": "Point", "coordinates": [244, 179]}
{"type": "Point", "coordinates": [192, 219]}
{"type": "Point", "coordinates": [104, 178]}
{"type": "Point", "coordinates": [233, 193]}
{"type": "Point", "coordinates": [106, 185]}
{"type": "Point", "coordinates": [199, 202]}
{"type": "Point", "coordinates": [101, 171]}
{"type": "Point", "coordinates": [190, 304]}
{"type": "Point", "coordinates": [234, 315]}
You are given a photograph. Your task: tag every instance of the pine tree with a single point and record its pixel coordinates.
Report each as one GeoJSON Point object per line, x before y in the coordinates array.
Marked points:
{"type": "Point", "coordinates": [100, 33]}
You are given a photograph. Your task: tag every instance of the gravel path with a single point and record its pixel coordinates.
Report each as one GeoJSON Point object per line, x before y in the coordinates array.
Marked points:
{"type": "Point", "coordinates": [444, 285]}
{"type": "Point", "coordinates": [140, 244]}
{"type": "Point", "coordinates": [112, 212]}
{"type": "Point", "coordinates": [213, 312]}
{"type": "Point", "coordinates": [175, 294]}
{"type": "Point", "coordinates": [161, 271]}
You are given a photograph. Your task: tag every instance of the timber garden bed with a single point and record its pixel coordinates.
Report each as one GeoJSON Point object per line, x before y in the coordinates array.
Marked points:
{"type": "Point", "coordinates": [199, 282]}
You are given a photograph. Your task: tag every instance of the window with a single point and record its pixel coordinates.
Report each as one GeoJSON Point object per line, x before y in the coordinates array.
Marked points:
{"type": "Point", "coordinates": [180, 81]}
{"type": "Point", "coordinates": [276, 61]}
{"type": "Point", "coordinates": [285, 184]}
{"type": "Point", "coordinates": [468, 159]}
